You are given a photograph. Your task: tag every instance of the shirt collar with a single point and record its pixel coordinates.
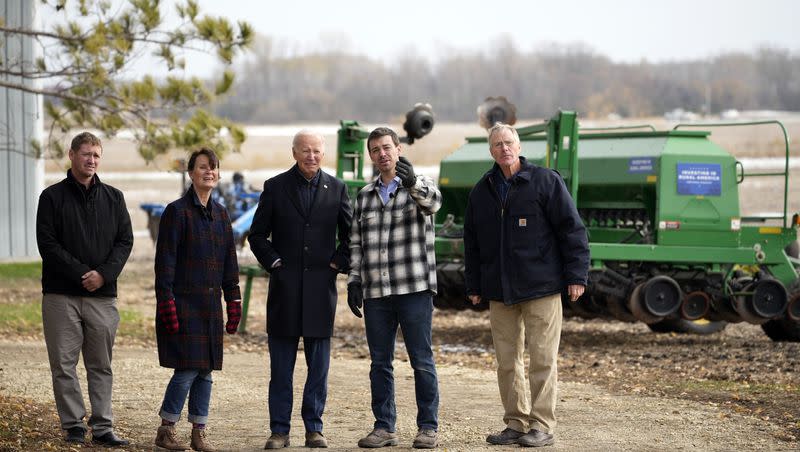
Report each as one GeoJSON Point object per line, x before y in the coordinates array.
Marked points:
{"type": "Point", "coordinates": [301, 179]}
{"type": "Point", "coordinates": [500, 177]}
{"type": "Point", "coordinates": [395, 181]}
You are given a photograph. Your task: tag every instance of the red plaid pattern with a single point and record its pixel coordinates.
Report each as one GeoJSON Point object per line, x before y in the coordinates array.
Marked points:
{"type": "Point", "coordinates": [168, 315]}
{"type": "Point", "coordinates": [234, 310]}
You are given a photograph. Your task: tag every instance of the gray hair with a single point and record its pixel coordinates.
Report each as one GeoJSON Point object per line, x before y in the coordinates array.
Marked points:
{"type": "Point", "coordinates": [499, 127]}
{"type": "Point", "coordinates": [307, 133]}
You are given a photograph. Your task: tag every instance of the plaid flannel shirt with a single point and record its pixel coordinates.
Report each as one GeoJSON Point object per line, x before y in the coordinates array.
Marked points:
{"type": "Point", "coordinates": [391, 246]}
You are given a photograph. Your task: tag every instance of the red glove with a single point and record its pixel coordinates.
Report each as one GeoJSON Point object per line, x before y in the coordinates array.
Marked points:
{"type": "Point", "coordinates": [169, 315]}
{"type": "Point", "coordinates": [234, 309]}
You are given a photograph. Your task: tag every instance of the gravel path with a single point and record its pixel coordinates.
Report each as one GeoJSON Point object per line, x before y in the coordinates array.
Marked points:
{"type": "Point", "coordinates": [591, 418]}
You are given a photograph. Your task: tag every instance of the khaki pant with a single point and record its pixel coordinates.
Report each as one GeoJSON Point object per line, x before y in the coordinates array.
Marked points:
{"type": "Point", "coordinates": [73, 325]}
{"type": "Point", "coordinates": [538, 321]}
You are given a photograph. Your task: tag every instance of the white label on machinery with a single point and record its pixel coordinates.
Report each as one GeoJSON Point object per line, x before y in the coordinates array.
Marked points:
{"type": "Point", "coordinates": [736, 224]}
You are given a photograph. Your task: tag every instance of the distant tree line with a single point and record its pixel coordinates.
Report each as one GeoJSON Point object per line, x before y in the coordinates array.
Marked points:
{"type": "Point", "coordinates": [334, 85]}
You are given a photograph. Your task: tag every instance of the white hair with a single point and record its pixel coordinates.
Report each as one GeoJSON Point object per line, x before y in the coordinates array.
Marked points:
{"type": "Point", "coordinates": [307, 133]}
{"type": "Point", "coordinates": [500, 127]}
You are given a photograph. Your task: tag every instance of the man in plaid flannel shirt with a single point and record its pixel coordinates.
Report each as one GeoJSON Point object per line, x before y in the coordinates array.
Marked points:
{"type": "Point", "coordinates": [393, 276]}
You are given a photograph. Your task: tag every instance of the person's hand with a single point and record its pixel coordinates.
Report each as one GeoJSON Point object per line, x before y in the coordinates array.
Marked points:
{"type": "Point", "coordinates": [575, 291]}
{"type": "Point", "coordinates": [168, 315]}
{"type": "Point", "coordinates": [92, 280]}
{"type": "Point", "coordinates": [406, 172]}
{"type": "Point", "coordinates": [474, 299]}
{"type": "Point", "coordinates": [355, 298]}
{"type": "Point", "coordinates": [234, 310]}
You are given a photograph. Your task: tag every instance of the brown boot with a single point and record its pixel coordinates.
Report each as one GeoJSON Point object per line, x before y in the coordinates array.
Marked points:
{"type": "Point", "coordinates": [199, 441]}
{"type": "Point", "coordinates": [167, 438]}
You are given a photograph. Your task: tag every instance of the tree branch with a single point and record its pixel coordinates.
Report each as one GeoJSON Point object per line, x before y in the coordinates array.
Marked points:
{"type": "Point", "coordinates": [39, 33]}
{"type": "Point", "coordinates": [33, 75]}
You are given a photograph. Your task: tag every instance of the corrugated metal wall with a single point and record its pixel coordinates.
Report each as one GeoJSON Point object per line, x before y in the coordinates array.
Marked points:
{"type": "Point", "coordinates": [21, 175]}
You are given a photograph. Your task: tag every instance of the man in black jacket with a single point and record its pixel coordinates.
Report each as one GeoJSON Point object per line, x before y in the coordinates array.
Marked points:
{"type": "Point", "coordinates": [84, 235]}
{"type": "Point", "coordinates": [300, 215]}
{"type": "Point", "coordinates": [524, 245]}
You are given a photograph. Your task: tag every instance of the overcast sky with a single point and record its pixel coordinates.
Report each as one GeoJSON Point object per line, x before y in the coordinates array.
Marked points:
{"type": "Point", "coordinates": [624, 30]}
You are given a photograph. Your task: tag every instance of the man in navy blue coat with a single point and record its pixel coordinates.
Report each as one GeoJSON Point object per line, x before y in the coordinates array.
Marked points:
{"type": "Point", "coordinates": [300, 215]}
{"type": "Point", "coordinates": [524, 244]}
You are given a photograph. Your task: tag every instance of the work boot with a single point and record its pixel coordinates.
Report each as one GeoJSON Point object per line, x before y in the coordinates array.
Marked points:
{"type": "Point", "coordinates": [504, 438]}
{"type": "Point", "coordinates": [426, 439]}
{"type": "Point", "coordinates": [200, 442]}
{"type": "Point", "coordinates": [315, 439]}
{"type": "Point", "coordinates": [378, 438]}
{"type": "Point", "coordinates": [277, 441]}
{"type": "Point", "coordinates": [536, 438]}
{"type": "Point", "coordinates": [167, 438]}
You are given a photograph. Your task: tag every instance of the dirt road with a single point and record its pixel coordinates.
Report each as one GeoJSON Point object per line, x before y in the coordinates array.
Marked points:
{"type": "Point", "coordinates": [591, 418]}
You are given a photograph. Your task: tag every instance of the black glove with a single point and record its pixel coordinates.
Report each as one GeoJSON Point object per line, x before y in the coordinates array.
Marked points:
{"type": "Point", "coordinates": [406, 172]}
{"type": "Point", "coordinates": [355, 298]}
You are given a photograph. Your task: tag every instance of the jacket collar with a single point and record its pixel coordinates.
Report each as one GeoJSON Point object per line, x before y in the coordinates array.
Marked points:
{"type": "Point", "coordinates": [71, 179]}
{"type": "Point", "coordinates": [191, 196]}
{"type": "Point", "coordinates": [524, 174]}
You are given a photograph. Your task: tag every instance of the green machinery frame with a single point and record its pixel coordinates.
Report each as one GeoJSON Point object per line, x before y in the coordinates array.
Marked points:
{"type": "Point", "coordinates": [717, 251]}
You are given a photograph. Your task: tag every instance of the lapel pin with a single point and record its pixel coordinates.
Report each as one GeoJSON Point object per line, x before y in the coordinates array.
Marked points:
{"type": "Point", "coordinates": [324, 185]}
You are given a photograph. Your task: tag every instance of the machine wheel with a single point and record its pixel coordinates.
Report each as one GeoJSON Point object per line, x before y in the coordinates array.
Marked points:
{"type": "Point", "coordinates": [787, 329]}
{"type": "Point", "coordinates": [683, 326]}
{"type": "Point", "coordinates": [782, 330]}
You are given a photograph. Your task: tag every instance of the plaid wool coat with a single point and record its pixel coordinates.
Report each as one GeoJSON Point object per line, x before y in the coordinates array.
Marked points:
{"type": "Point", "coordinates": [195, 264]}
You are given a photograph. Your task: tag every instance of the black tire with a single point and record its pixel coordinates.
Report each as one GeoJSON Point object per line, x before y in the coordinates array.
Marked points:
{"type": "Point", "coordinates": [440, 303]}
{"type": "Point", "coordinates": [782, 330]}
{"type": "Point", "coordinates": [701, 327]}
{"type": "Point", "coordinates": [785, 329]}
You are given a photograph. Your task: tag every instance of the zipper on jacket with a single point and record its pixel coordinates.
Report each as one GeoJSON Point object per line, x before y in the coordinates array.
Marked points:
{"type": "Point", "coordinates": [503, 204]}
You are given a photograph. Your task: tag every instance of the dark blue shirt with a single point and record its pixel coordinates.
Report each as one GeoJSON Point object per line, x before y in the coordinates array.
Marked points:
{"type": "Point", "coordinates": [502, 184]}
{"type": "Point", "coordinates": [307, 188]}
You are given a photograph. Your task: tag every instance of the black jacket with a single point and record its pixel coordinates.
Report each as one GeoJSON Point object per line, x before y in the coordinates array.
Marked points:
{"type": "Point", "coordinates": [302, 291]}
{"type": "Point", "coordinates": [533, 246]}
{"type": "Point", "coordinates": [80, 230]}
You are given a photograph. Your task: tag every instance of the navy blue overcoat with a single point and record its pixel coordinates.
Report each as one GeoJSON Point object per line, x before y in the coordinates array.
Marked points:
{"type": "Point", "coordinates": [302, 291]}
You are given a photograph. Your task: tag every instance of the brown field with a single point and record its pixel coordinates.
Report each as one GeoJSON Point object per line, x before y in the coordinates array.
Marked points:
{"type": "Point", "coordinates": [275, 152]}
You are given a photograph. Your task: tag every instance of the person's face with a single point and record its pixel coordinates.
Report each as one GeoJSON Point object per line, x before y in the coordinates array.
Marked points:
{"type": "Point", "coordinates": [384, 153]}
{"type": "Point", "coordinates": [85, 160]}
{"type": "Point", "coordinates": [204, 178]}
{"type": "Point", "coordinates": [505, 149]}
{"type": "Point", "coordinates": [308, 152]}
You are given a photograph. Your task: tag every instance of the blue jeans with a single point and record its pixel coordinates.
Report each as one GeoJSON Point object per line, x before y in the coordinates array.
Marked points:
{"type": "Point", "coordinates": [282, 357]}
{"type": "Point", "coordinates": [412, 312]}
{"type": "Point", "coordinates": [197, 384]}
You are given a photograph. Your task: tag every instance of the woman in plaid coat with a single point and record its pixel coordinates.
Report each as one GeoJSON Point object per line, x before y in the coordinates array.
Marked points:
{"type": "Point", "coordinates": [195, 264]}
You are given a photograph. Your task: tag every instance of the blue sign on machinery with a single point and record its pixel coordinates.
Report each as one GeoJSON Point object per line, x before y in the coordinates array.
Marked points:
{"type": "Point", "coordinates": [640, 165]}
{"type": "Point", "coordinates": [699, 179]}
